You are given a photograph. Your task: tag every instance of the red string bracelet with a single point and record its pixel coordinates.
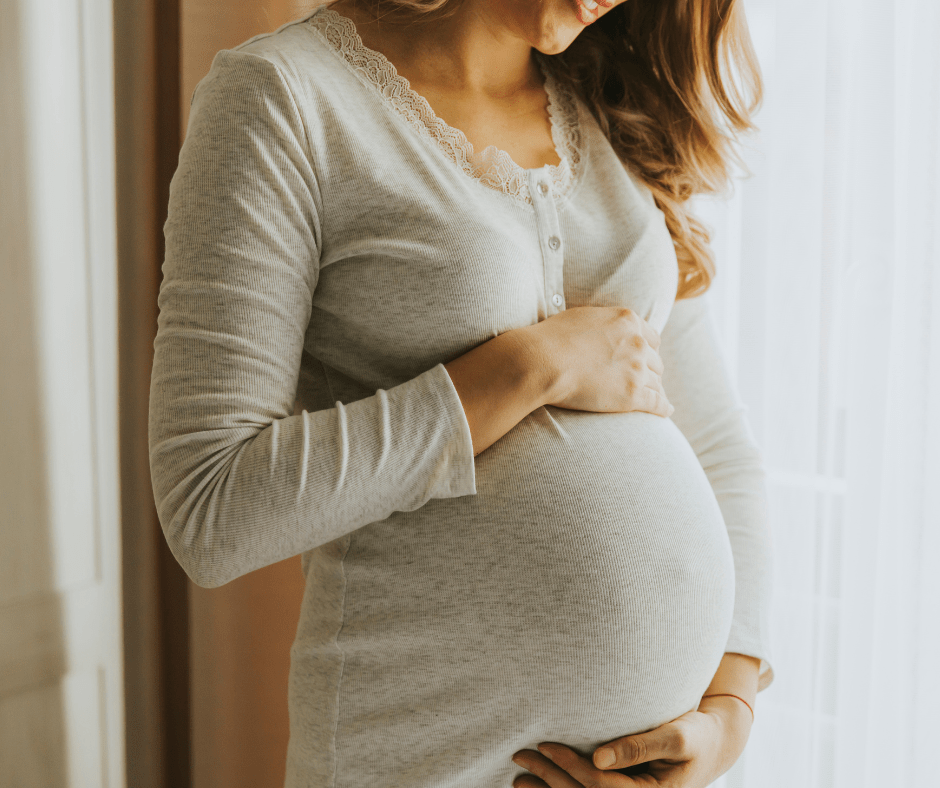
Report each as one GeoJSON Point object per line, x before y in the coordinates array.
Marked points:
{"type": "Point", "coordinates": [730, 695]}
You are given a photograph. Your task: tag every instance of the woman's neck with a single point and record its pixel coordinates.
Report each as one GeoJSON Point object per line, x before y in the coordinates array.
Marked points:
{"type": "Point", "coordinates": [470, 53]}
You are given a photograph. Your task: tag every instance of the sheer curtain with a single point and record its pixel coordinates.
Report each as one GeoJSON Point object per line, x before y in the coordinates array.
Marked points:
{"type": "Point", "coordinates": [828, 300]}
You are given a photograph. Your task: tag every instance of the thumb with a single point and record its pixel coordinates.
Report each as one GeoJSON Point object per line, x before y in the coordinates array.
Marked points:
{"type": "Point", "coordinates": [665, 742]}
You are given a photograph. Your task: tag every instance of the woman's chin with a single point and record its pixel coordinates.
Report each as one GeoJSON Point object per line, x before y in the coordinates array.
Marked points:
{"type": "Point", "coordinates": [554, 48]}
{"type": "Point", "coordinates": [558, 38]}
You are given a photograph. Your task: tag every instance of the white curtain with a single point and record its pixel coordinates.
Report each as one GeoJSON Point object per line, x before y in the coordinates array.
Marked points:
{"type": "Point", "coordinates": [828, 300]}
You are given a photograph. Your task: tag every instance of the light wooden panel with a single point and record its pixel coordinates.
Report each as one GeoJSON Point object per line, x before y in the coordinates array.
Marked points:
{"type": "Point", "coordinates": [209, 27]}
{"type": "Point", "coordinates": [241, 638]}
{"type": "Point", "coordinates": [147, 60]}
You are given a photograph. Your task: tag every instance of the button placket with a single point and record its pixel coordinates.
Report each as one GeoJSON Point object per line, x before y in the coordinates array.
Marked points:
{"type": "Point", "coordinates": [550, 239]}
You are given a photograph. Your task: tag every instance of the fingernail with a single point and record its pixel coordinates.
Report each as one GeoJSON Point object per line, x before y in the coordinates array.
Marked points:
{"type": "Point", "coordinates": [604, 757]}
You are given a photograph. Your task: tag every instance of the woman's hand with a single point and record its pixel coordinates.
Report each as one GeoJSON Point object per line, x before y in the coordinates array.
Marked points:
{"type": "Point", "coordinates": [604, 359]}
{"type": "Point", "coordinates": [692, 751]}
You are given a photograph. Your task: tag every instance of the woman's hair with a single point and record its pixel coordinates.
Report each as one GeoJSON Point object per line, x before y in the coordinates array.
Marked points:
{"type": "Point", "coordinates": [658, 77]}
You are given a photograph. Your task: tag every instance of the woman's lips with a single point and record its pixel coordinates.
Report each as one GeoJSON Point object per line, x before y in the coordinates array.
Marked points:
{"type": "Point", "coordinates": [586, 14]}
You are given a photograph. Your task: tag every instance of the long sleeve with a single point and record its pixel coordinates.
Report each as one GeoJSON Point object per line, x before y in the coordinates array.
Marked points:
{"type": "Point", "coordinates": [710, 414]}
{"type": "Point", "coordinates": [239, 481]}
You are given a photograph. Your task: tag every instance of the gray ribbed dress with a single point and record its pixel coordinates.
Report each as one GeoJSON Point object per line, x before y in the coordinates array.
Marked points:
{"type": "Point", "coordinates": [331, 243]}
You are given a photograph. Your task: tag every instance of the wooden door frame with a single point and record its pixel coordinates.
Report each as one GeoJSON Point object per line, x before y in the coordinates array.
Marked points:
{"type": "Point", "coordinates": [156, 590]}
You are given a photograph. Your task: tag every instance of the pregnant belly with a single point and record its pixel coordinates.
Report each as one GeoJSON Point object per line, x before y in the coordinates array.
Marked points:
{"type": "Point", "coordinates": [584, 593]}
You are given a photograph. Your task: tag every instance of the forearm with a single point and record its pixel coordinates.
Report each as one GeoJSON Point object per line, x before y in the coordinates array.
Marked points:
{"type": "Point", "coordinates": [500, 382]}
{"type": "Point", "coordinates": [737, 674]}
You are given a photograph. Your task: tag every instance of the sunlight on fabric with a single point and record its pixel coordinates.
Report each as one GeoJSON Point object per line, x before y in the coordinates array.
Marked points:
{"type": "Point", "coordinates": [828, 299]}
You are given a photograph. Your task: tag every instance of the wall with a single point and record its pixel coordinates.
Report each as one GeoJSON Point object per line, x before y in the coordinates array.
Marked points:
{"type": "Point", "coordinates": [61, 710]}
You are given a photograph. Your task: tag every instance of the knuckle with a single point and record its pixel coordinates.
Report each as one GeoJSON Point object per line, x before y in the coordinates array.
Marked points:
{"type": "Point", "coordinates": [626, 312]}
{"type": "Point", "coordinates": [637, 366]}
{"type": "Point", "coordinates": [636, 751]}
{"type": "Point", "coordinates": [638, 342]}
{"type": "Point", "coordinates": [593, 781]}
{"type": "Point", "coordinates": [631, 387]}
{"type": "Point", "coordinates": [680, 738]}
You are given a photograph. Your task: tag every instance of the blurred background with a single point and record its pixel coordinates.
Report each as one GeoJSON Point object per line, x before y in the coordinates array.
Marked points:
{"type": "Point", "coordinates": [116, 670]}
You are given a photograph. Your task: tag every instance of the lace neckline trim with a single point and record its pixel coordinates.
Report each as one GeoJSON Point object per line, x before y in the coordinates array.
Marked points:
{"type": "Point", "coordinates": [492, 167]}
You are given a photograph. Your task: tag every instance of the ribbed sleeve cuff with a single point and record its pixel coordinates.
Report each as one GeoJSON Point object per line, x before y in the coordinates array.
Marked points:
{"type": "Point", "coordinates": [460, 478]}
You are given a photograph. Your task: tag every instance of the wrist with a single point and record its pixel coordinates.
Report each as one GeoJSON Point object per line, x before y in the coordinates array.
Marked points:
{"type": "Point", "coordinates": [737, 674]}
{"type": "Point", "coordinates": [732, 723]}
{"type": "Point", "coordinates": [730, 709]}
{"type": "Point", "coordinates": [541, 363]}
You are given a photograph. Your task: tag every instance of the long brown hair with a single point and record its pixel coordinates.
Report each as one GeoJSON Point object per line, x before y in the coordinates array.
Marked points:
{"type": "Point", "coordinates": [659, 77]}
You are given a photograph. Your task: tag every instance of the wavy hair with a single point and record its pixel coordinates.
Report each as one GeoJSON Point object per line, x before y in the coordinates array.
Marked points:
{"type": "Point", "coordinates": [659, 77]}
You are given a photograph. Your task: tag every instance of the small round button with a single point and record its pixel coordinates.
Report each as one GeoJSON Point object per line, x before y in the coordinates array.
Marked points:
{"type": "Point", "coordinates": [554, 242]}
{"type": "Point", "coordinates": [543, 188]}
{"type": "Point", "coordinates": [557, 300]}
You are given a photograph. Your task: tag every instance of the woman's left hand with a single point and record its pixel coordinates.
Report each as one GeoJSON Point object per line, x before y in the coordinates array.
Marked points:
{"type": "Point", "coordinates": [692, 751]}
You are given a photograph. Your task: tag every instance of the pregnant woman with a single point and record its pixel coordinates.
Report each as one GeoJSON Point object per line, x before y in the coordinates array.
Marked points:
{"type": "Point", "coordinates": [431, 318]}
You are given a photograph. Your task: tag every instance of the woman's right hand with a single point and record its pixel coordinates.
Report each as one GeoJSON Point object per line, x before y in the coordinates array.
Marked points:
{"type": "Point", "coordinates": [604, 359]}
